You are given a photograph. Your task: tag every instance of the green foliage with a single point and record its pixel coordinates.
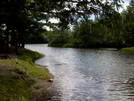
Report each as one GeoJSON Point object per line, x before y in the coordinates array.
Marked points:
{"type": "Point", "coordinates": [83, 33]}
{"type": "Point", "coordinates": [114, 30]}
{"type": "Point", "coordinates": [128, 24]}
{"type": "Point", "coordinates": [58, 37]}
{"type": "Point", "coordinates": [40, 38]}
{"type": "Point", "coordinates": [87, 34]}
{"type": "Point", "coordinates": [26, 16]}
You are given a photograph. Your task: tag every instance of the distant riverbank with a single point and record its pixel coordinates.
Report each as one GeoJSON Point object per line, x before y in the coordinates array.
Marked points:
{"type": "Point", "coordinates": [128, 49]}
{"type": "Point", "coordinates": [21, 79]}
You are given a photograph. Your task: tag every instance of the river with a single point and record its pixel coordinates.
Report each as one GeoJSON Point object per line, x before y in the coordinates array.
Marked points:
{"type": "Point", "coordinates": [87, 74]}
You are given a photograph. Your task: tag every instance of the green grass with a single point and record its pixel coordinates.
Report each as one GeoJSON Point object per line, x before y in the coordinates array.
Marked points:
{"type": "Point", "coordinates": [128, 49]}
{"type": "Point", "coordinates": [14, 88]}
{"type": "Point", "coordinates": [30, 56]}
{"type": "Point", "coordinates": [16, 79]}
{"type": "Point", "coordinates": [25, 68]}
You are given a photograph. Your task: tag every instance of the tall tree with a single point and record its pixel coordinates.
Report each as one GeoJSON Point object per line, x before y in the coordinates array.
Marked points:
{"type": "Point", "coordinates": [24, 16]}
{"type": "Point", "coordinates": [128, 24]}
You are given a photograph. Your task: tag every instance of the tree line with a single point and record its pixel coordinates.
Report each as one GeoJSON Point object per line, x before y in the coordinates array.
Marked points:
{"type": "Point", "coordinates": [116, 30]}
{"type": "Point", "coordinates": [23, 21]}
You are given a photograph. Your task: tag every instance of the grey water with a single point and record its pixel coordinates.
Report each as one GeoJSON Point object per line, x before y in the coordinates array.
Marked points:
{"type": "Point", "coordinates": [87, 74]}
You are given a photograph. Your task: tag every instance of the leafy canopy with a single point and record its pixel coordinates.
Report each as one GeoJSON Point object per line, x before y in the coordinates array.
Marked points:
{"type": "Point", "coordinates": [25, 16]}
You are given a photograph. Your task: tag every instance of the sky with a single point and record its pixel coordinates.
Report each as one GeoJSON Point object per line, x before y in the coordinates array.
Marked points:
{"type": "Point", "coordinates": [125, 4]}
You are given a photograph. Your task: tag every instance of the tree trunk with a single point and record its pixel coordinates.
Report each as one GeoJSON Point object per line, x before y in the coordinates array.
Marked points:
{"type": "Point", "coordinates": [7, 39]}
{"type": "Point", "coordinates": [23, 45]}
{"type": "Point", "coordinates": [13, 38]}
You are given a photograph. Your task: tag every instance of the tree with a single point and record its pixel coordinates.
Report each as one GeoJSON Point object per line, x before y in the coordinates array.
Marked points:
{"type": "Point", "coordinates": [128, 24]}
{"type": "Point", "coordinates": [24, 16]}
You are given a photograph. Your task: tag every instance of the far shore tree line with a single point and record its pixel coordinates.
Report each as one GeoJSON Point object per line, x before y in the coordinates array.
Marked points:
{"type": "Point", "coordinates": [23, 22]}
{"type": "Point", "coordinates": [115, 31]}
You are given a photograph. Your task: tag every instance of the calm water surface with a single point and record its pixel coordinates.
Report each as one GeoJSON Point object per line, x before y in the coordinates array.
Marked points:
{"type": "Point", "coordinates": [88, 74]}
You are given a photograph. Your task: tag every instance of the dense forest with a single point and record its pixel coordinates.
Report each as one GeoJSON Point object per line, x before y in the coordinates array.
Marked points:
{"type": "Point", "coordinates": [117, 30]}
{"type": "Point", "coordinates": [23, 22]}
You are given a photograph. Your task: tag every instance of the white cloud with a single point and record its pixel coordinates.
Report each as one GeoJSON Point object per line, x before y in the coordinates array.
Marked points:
{"type": "Point", "coordinates": [124, 6]}
{"type": "Point", "coordinates": [47, 28]}
{"type": "Point", "coordinates": [53, 20]}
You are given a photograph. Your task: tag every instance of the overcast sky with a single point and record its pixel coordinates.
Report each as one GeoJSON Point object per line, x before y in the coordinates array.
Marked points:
{"type": "Point", "coordinates": [125, 4]}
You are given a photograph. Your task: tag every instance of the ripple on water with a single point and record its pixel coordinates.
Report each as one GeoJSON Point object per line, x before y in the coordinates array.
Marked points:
{"type": "Point", "coordinates": [89, 74]}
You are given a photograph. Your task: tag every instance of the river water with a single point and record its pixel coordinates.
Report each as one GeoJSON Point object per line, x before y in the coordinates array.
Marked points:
{"type": "Point", "coordinates": [87, 74]}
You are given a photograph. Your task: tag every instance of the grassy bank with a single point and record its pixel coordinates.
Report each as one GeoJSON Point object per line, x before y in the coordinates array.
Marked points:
{"type": "Point", "coordinates": [128, 49]}
{"type": "Point", "coordinates": [19, 78]}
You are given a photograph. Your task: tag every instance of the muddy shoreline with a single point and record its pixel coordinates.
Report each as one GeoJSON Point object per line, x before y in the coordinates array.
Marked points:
{"type": "Point", "coordinates": [40, 87]}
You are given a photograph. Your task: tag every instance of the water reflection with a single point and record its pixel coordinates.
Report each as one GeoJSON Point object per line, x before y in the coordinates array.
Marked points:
{"type": "Point", "coordinates": [88, 74]}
